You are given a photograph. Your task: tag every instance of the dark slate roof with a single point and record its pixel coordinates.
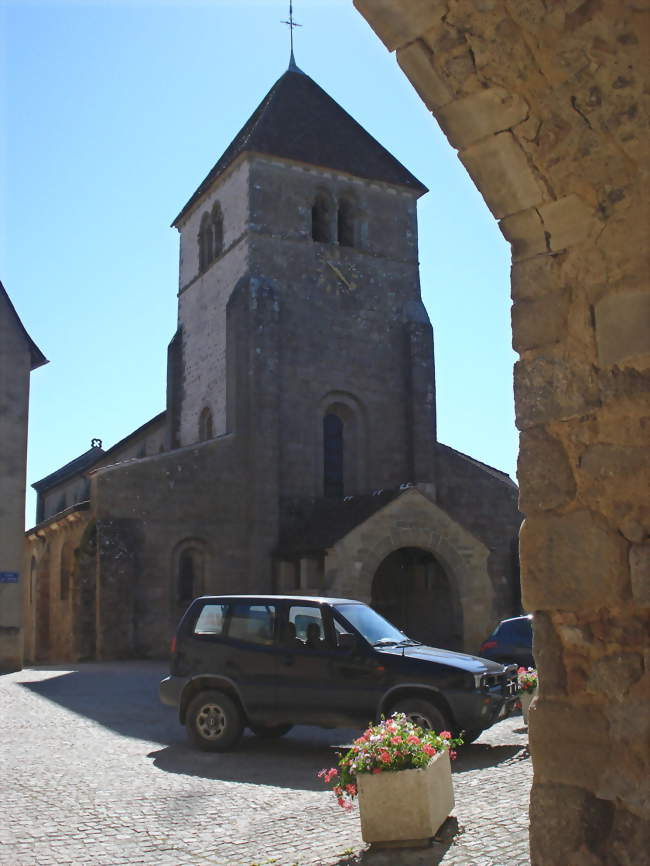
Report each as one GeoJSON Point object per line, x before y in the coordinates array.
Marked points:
{"type": "Point", "coordinates": [313, 525]}
{"type": "Point", "coordinates": [297, 120]}
{"type": "Point", "coordinates": [38, 358]}
{"type": "Point", "coordinates": [79, 464]}
{"type": "Point", "coordinates": [497, 473]}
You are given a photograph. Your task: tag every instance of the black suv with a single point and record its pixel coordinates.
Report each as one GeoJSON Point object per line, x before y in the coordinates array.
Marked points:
{"type": "Point", "coordinates": [270, 662]}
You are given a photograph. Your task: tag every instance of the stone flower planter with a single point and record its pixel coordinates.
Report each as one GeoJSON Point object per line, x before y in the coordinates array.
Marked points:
{"type": "Point", "coordinates": [526, 700]}
{"type": "Point", "coordinates": [405, 807]}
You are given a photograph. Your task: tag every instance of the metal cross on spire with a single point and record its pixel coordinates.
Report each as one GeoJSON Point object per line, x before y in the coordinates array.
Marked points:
{"type": "Point", "coordinates": [292, 24]}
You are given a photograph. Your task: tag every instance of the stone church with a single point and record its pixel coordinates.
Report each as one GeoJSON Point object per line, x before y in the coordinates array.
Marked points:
{"type": "Point", "coordinates": [297, 452]}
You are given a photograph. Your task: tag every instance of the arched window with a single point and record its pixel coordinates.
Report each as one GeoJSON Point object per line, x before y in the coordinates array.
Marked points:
{"type": "Point", "coordinates": [333, 456]}
{"type": "Point", "coordinates": [321, 219]}
{"type": "Point", "coordinates": [189, 573]}
{"type": "Point", "coordinates": [205, 425]}
{"type": "Point", "coordinates": [205, 242]}
{"type": "Point", "coordinates": [345, 223]}
{"type": "Point", "coordinates": [217, 230]}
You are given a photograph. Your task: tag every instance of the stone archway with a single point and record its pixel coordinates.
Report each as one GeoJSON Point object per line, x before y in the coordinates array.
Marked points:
{"type": "Point", "coordinates": [412, 590]}
{"type": "Point", "coordinates": [546, 105]}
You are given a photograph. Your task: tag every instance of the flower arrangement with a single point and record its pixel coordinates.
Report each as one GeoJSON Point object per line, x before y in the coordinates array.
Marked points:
{"type": "Point", "coordinates": [394, 744]}
{"type": "Point", "coordinates": [527, 678]}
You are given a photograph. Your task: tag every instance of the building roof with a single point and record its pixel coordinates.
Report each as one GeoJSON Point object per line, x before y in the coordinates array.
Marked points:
{"type": "Point", "coordinates": [496, 473]}
{"type": "Point", "coordinates": [297, 120]}
{"type": "Point", "coordinates": [91, 457]}
{"type": "Point", "coordinates": [37, 357]}
{"type": "Point", "coordinates": [317, 524]}
{"type": "Point", "coordinates": [74, 467]}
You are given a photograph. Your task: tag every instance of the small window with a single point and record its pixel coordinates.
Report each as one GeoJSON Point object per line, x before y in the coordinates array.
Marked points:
{"type": "Point", "coordinates": [254, 623]}
{"type": "Point", "coordinates": [205, 425]}
{"type": "Point", "coordinates": [217, 231]}
{"type": "Point", "coordinates": [346, 223]}
{"type": "Point", "coordinates": [211, 619]}
{"type": "Point", "coordinates": [321, 219]}
{"type": "Point", "coordinates": [206, 246]}
{"type": "Point", "coordinates": [333, 456]}
{"type": "Point", "coordinates": [190, 565]}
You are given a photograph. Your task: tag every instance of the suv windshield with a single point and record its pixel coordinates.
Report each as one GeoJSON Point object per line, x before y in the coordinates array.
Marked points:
{"type": "Point", "coordinates": [376, 630]}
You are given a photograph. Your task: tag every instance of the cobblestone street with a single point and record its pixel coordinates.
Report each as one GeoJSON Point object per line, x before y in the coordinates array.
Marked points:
{"type": "Point", "coordinates": [94, 770]}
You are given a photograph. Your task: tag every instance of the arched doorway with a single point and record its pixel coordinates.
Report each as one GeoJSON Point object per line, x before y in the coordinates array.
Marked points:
{"type": "Point", "coordinates": [412, 590]}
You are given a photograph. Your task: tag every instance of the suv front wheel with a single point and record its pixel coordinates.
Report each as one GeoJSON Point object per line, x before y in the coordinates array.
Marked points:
{"type": "Point", "coordinates": [214, 721]}
{"type": "Point", "coordinates": [422, 713]}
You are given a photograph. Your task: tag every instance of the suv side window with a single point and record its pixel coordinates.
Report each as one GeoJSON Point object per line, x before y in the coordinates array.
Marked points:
{"type": "Point", "coordinates": [211, 620]}
{"type": "Point", "coordinates": [254, 623]}
{"type": "Point", "coordinates": [306, 628]}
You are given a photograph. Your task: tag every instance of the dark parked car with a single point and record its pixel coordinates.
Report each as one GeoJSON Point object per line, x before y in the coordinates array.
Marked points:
{"type": "Point", "coordinates": [269, 662]}
{"type": "Point", "coordinates": [511, 642]}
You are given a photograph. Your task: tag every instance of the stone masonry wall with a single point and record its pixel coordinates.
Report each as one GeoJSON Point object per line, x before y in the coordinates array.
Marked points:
{"type": "Point", "coordinates": [486, 505]}
{"type": "Point", "coordinates": [547, 106]}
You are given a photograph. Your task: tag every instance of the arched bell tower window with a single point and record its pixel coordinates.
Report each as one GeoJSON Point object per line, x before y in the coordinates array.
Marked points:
{"type": "Point", "coordinates": [217, 230]}
{"type": "Point", "coordinates": [321, 219]}
{"type": "Point", "coordinates": [346, 223]}
{"type": "Point", "coordinates": [206, 247]}
{"type": "Point", "coordinates": [205, 425]}
{"type": "Point", "coordinates": [333, 456]}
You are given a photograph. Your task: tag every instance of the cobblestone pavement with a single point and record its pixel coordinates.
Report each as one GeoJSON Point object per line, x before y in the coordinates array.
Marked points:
{"type": "Point", "coordinates": [94, 770]}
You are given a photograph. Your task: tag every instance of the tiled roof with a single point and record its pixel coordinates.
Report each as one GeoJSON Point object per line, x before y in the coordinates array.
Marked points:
{"type": "Point", "coordinates": [313, 525]}
{"type": "Point", "coordinates": [297, 120]}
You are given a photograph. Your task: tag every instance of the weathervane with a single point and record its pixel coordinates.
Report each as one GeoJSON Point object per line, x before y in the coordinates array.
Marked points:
{"type": "Point", "coordinates": [292, 24]}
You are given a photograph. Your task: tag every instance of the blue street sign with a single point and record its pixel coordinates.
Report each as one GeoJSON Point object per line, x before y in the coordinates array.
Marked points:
{"type": "Point", "coordinates": [8, 577]}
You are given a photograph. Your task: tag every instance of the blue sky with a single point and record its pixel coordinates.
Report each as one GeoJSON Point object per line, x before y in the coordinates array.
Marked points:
{"type": "Point", "coordinates": [113, 111]}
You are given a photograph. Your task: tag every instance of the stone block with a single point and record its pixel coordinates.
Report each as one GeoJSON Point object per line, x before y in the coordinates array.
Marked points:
{"type": "Point", "coordinates": [540, 322]}
{"type": "Point", "coordinates": [486, 112]}
{"type": "Point", "coordinates": [535, 277]}
{"type": "Point", "coordinates": [606, 462]}
{"type": "Point", "coordinates": [572, 562]}
{"type": "Point", "coordinates": [552, 389]}
{"type": "Point", "coordinates": [567, 221]}
{"type": "Point", "coordinates": [397, 22]}
{"type": "Point", "coordinates": [545, 475]}
{"type": "Point", "coordinates": [525, 233]}
{"type": "Point", "coordinates": [615, 674]}
{"type": "Point", "coordinates": [567, 742]}
{"type": "Point", "coordinates": [623, 329]}
{"type": "Point", "coordinates": [640, 573]}
{"type": "Point", "coordinates": [499, 168]}
{"type": "Point", "coordinates": [548, 652]}
{"type": "Point", "coordinates": [565, 826]}
{"type": "Point", "coordinates": [416, 62]}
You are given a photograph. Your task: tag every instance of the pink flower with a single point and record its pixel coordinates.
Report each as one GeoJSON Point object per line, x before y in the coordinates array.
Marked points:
{"type": "Point", "coordinates": [413, 739]}
{"type": "Point", "coordinates": [341, 802]}
{"type": "Point", "coordinates": [338, 790]}
{"type": "Point", "coordinates": [428, 749]}
{"type": "Point", "coordinates": [395, 741]}
{"type": "Point", "coordinates": [351, 789]}
{"type": "Point", "coordinates": [385, 757]}
{"type": "Point", "coordinates": [452, 754]}
{"type": "Point", "coordinates": [446, 735]}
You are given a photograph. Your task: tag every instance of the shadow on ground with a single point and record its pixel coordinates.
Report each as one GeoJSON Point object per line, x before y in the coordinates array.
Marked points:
{"type": "Point", "coordinates": [431, 855]}
{"type": "Point", "coordinates": [124, 697]}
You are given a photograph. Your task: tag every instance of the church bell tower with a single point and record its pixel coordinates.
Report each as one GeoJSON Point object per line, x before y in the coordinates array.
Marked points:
{"type": "Point", "coordinates": [301, 328]}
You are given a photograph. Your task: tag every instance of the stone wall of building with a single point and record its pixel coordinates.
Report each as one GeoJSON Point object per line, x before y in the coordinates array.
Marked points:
{"type": "Point", "coordinates": [547, 106]}
{"type": "Point", "coordinates": [15, 365]}
{"type": "Point", "coordinates": [54, 594]}
{"type": "Point", "coordinates": [484, 501]}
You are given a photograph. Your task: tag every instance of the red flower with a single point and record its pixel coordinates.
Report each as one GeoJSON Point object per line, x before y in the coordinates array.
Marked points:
{"type": "Point", "coordinates": [445, 735]}
{"type": "Point", "coordinates": [413, 739]}
{"type": "Point", "coordinates": [376, 770]}
{"type": "Point", "coordinates": [385, 757]}
{"type": "Point", "coordinates": [428, 749]}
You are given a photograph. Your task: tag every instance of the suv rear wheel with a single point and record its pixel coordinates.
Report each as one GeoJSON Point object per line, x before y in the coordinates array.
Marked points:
{"type": "Point", "coordinates": [214, 721]}
{"type": "Point", "coordinates": [422, 713]}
